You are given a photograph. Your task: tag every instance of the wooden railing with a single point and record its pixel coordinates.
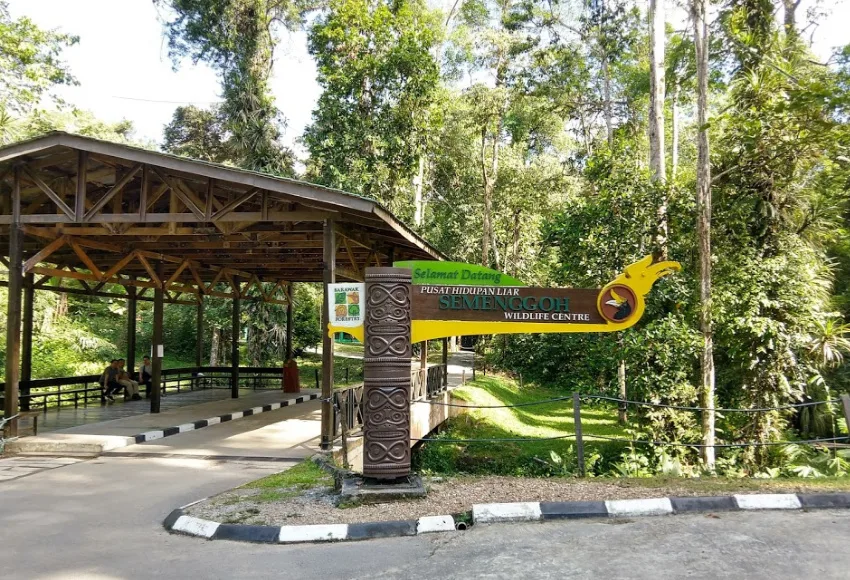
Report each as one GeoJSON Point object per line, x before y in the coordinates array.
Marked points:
{"type": "Point", "coordinates": [347, 402]}
{"type": "Point", "coordinates": [73, 391]}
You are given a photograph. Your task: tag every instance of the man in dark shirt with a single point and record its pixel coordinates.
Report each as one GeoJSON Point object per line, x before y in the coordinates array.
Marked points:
{"type": "Point", "coordinates": [145, 374]}
{"type": "Point", "coordinates": [109, 380]}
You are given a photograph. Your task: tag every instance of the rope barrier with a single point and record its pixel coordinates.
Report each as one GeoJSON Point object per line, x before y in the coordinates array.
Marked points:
{"type": "Point", "coordinates": [640, 441]}
{"type": "Point", "coordinates": [721, 445]}
{"type": "Point", "coordinates": [497, 440]}
{"type": "Point", "coordinates": [719, 410]}
{"type": "Point", "coordinates": [528, 404]}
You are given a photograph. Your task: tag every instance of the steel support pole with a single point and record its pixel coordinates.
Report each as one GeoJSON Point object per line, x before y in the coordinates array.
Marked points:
{"type": "Point", "coordinates": [386, 376]}
{"type": "Point", "coordinates": [199, 332]}
{"type": "Point", "coordinates": [289, 314]}
{"type": "Point", "coordinates": [13, 311]}
{"type": "Point", "coordinates": [234, 345]}
{"type": "Point", "coordinates": [26, 341]}
{"type": "Point", "coordinates": [131, 331]}
{"type": "Point", "coordinates": [445, 362]}
{"type": "Point", "coordinates": [158, 349]}
{"type": "Point", "coordinates": [329, 277]}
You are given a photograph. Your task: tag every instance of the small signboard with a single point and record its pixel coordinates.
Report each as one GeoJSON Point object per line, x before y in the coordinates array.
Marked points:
{"type": "Point", "coordinates": [345, 302]}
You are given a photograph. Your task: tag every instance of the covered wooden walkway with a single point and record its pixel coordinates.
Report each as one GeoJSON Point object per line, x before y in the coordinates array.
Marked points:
{"type": "Point", "coordinates": [111, 220]}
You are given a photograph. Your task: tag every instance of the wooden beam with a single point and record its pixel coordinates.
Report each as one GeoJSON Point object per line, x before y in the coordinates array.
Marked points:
{"type": "Point", "coordinates": [236, 203]}
{"type": "Point", "coordinates": [143, 192]}
{"type": "Point", "coordinates": [116, 268]}
{"type": "Point", "coordinates": [60, 203]}
{"type": "Point", "coordinates": [44, 253]}
{"type": "Point", "coordinates": [151, 272]}
{"type": "Point", "coordinates": [125, 179]}
{"type": "Point", "coordinates": [177, 273]}
{"type": "Point", "coordinates": [84, 258]}
{"type": "Point", "coordinates": [208, 205]}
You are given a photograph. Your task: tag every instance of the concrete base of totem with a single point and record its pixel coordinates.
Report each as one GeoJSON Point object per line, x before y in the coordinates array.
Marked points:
{"type": "Point", "coordinates": [377, 490]}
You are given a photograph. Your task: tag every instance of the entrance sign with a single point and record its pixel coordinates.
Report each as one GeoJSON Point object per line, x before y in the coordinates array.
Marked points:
{"type": "Point", "coordinates": [399, 312]}
{"type": "Point", "coordinates": [345, 303]}
{"type": "Point", "coordinates": [441, 307]}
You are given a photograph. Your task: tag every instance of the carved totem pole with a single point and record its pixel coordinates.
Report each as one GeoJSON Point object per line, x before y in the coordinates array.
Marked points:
{"type": "Point", "coordinates": [386, 374]}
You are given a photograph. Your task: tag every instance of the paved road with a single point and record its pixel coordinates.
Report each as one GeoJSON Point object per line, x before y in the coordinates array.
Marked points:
{"type": "Point", "coordinates": [101, 519]}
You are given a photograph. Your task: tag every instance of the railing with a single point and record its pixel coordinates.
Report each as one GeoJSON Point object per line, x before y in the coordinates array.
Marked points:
{"type": "Point", "coordinates": [425, 384]}
{"type": "Point", "coordinates": [347, 402]}
{"type": "Point", "coordinates": [67, 391]}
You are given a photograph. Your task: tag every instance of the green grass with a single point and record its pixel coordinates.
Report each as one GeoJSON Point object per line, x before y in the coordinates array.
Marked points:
{"type": "Point", "coordinates": [291, 483]}
{"type": "Point", "coordinates": [535, 422]}
{"type": "Point", "coordinates": [310, 362]}
{"type": "Point", "coordinates": [720, 485]}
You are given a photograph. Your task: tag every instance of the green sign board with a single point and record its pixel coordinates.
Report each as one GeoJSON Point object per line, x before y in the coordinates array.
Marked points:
{"type": "Point", "coordinates": [456, 274]}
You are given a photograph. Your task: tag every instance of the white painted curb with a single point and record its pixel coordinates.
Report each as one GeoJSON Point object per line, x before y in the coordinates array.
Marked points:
{"type": "Point", "coordinates": [316, 533]}
{"type": "Point", "coordinates": [774, 501]}
{"type": "Point", "coordinates": [659, 506]}
{"type": "Point", "coordinates": [195, 526]}
{"type": "Point", "coordinates": [486, 513]}
{"type": "Point", "coordinates": [429, 524]}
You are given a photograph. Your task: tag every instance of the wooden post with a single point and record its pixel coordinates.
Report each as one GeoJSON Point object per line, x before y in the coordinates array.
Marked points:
{"type": "Point", "coordinates": [131, 331]}
{"type": "Point", "coordinates": [26, 342]}
{"type": "Point", "coordinates": [199, 332]}
{"type": "Point", "coordinates": [156, 355]}
{"type": "Point", "coordinates": [845, 403]}
{"type": "Point", "coordinates": [13, 312]}
{"type": "Point", "coordinates": [445, 362]}
{"type": "Point", "coordinates": [234, 345]}
{"type": "Point", "coordinates": [289, 315]}
{"type": "Point", "coordinates": [386, 384]}
{"type": "Point", "coordinates": [579, 440]}
{"type": "Point", "coordinates": [329, 276]}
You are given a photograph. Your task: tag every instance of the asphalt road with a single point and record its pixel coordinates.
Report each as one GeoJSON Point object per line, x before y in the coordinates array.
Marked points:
{"type": "Point", "coordinates": [102, 518]}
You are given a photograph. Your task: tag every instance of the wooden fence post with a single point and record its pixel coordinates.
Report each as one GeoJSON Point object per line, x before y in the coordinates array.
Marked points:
{"type": "Point", "coordinates": [579, 440]}
{"type": "Point", "coordinates": [845, 402]}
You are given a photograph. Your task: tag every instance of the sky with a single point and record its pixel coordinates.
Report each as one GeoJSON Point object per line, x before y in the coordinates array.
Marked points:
{"type": "Point", "coordinates": [124, 70]}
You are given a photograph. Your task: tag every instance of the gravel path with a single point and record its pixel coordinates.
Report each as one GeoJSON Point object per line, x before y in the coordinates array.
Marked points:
{"type": "Point", "coordinates": [448, 496]}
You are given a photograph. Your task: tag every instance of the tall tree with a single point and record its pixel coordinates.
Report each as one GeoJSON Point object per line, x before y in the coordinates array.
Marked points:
{"type": "Point", "coordinates": [378, 74]}
{"type": "Point", "coordinates": [30, 58]}
{"type": "Point", "coordinates": [703, 195]}
{"type": "Point", "coordinates": [237, 38]}
{"type": "Point", "coordinates": [657, 153]}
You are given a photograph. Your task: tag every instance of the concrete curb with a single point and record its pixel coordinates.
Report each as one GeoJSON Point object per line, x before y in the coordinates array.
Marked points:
{"type": "Point", "coordinates": [659, 506]}
{"type": "Point", "coordinates": [186, 427]}
{"type": "Point", "coordinates": [180, 523]}
{"type": "Point", "coordinates": [92, 445]}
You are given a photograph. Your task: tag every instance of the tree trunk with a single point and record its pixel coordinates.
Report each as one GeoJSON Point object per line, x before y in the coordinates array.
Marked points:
{"type": "Point", "coordinates": [699, 18]}
{"type": "Point", "coordinates": [606, 104]}
{"type": "Point", "coordinates": [790, 9]}
{"type": "Point", "coordinates": [419, 204]}
{"type": "Point", "coordinates": [657, 163]}
{"type": "Point", "coordinates": [488, 202]}
{"type": "Point", "coordinates": [674, 157]}
{"type": "Point", "coordinates": [215, 346]}
{"type": "Point", "coordinates": [621, 384]}
{"type": "Point", "coordinates": [62, 307]}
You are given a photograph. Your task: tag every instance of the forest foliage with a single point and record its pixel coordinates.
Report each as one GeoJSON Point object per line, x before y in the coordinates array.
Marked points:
{"type": "Point", "coordinates": [515, 134]}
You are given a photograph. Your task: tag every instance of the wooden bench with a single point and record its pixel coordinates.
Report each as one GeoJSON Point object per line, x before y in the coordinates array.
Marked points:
{"type": "Point", "coordinates": [28, 415]}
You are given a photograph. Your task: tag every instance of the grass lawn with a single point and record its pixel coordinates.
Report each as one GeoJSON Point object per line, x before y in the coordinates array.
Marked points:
{"type": "Point", "coordinates": [310, 363]}
{"type": "Point", "coordinates": [290, 483]}
{"type": "Point", "coordinates": [537, 422]}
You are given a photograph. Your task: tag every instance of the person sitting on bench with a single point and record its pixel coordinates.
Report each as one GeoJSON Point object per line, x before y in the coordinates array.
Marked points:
{"type": "Point", "coordinates": [109, 380]}
{"type": "Point", "coordinates": [145, 375]}
{"type": "Point", "coordinates": [128, 383]}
